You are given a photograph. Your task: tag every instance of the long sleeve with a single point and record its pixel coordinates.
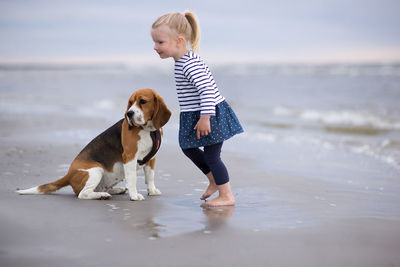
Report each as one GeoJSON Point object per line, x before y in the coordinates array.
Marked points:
{"type": "Point", "coordinates": [196, 87]}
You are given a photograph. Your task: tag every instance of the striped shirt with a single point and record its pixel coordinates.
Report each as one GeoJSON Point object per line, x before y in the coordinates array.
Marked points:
{"type": "Point", "coordinates": [195, 85]}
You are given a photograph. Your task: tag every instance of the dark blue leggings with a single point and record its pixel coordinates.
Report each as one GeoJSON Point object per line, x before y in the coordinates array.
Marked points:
{"type": "Point", "coordinates": [209, 160]}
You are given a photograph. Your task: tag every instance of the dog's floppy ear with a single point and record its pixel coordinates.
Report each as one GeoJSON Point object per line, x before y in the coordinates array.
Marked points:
{"type": "Point", "coordinates": [161, 113]}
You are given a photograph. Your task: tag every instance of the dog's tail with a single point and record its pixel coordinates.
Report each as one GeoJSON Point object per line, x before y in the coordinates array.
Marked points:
{"type": "Point", "coordinates": [46, 188]}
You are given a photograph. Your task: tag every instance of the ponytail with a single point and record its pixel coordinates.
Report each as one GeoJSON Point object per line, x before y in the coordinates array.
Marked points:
{"type": "Point", "coordinates": [184, 24]}
{"type": "Point", "coordinates": [195, 35]}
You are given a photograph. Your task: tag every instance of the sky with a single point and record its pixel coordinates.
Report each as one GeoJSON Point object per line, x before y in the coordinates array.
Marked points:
{"type": "Point", "coordinates": [232, 31]}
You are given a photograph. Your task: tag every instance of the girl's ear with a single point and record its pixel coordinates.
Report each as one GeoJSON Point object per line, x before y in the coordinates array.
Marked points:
{"type": "Point", "coordinates": [181, 41]}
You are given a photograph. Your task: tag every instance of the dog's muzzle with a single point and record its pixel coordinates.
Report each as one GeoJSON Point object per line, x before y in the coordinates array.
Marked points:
{"type": "Point", "coordinates": [134, 119]}
{"type": "Point", "coordinates": [130, 116]}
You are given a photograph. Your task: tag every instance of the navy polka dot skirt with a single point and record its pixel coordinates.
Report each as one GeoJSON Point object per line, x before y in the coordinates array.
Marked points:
{"type": "Point", "coordinates": [224, 125]}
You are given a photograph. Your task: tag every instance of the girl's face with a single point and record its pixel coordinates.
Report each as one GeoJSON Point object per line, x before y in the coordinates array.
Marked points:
{"type": "Point", "coordinates": [165, 44]}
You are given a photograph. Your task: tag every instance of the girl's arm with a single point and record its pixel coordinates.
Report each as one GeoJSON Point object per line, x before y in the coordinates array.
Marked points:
{"type": "Point", "coordinates": [203, 126]}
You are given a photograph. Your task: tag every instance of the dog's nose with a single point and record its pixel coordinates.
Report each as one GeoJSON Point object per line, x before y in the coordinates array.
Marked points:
{"type": "Point", "coordinates": [130, 114]}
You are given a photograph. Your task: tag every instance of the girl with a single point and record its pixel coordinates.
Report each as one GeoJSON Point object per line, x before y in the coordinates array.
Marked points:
{"type": "Point", "coordinates": [206, 119]}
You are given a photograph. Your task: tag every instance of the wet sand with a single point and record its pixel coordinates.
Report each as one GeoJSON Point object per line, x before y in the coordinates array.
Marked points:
{"type": "Point", "coordinates": [279, 220]}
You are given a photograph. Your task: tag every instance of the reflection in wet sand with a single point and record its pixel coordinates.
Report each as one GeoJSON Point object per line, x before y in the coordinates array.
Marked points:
{"type": "Point", "coordinates": [150, 227]}
{"type": "Point", "coordinates": [129, 216]}
{"type": "Point", "coordinates": [217, 216]}
{"type": "Point", "coordinates": [177, 219]}
{"type": "Point", "coordinates": [167, 217]}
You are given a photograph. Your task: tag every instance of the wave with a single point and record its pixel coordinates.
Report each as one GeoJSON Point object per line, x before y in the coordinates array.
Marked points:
{"type": "Point", "coordinates": [346, 121]}
{"type": "Point", "coordinates": [62, 66]}
{"type": "Point", "coordinates": [386, 150]}
{"type": "Point", "coordinates": [352, 70]}
{"type": "Point", "coordinates": [354, 130]}
{"type": "Point", "coordinates": [359, 132]}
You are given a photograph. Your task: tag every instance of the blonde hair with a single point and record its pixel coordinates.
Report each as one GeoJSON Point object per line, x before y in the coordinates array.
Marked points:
{"type": "Point", "coordinates": [185, 24]}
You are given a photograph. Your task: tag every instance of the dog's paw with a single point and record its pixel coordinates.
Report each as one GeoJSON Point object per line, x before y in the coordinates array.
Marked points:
{"type": "Point", "coordinates": [136, 196]}
{"type": "Point", "coordinates": [104, 195]}
{"type": "Point", "coordinates": [153, 192]}
{"type": "Point", "coordinates": [93, 195]}
{"type": "Point", "coordinates": [116, 191]}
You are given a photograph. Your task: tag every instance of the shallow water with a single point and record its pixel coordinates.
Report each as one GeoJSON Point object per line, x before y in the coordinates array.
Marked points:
{"type": "Point", "coordinates": [180, 216]}
{"type": "Point", "coordinates": [258, 210]}
{"type": "Point", "coordinates": [340, 108]}
{"type": "Point", "coordinates": [287, 110]}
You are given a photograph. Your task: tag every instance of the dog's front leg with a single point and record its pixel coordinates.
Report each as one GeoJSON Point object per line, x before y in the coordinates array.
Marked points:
{"type": "Point", "coordinates": [130, 176]}
{"type": "Point", "coordinates": [149, 175]}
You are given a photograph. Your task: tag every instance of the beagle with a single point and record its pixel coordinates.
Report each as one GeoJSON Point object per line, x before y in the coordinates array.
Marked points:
{"type": "Point", "coordinates": [117, 153]}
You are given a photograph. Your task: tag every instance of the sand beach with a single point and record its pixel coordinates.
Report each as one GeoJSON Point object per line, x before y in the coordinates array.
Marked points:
{"type": "Point", "coordinates": [298, 204]}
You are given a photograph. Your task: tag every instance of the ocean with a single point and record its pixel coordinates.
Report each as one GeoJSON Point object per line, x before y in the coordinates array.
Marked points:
{"type": "Point", "coordinates": [339, 122]}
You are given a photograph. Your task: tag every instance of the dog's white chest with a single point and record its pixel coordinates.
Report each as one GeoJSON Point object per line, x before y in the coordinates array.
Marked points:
{"type": "Point", "coordinates": [145, 144]}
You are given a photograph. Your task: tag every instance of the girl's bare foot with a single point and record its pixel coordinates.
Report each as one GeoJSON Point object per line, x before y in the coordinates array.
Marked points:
{"type": "Point", "coordinates": [219, 201]}
{"type": "Point", "coordinates": [211, 189]}
{"type": "Point", "coordinates": [225, 197]}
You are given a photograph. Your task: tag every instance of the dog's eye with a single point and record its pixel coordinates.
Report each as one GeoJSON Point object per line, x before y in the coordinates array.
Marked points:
{"type": "Point", "coordinates": [142, 102]}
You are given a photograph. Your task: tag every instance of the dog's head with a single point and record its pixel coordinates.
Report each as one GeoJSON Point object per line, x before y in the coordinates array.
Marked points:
{"type": "Point", "coordinates": [147, 109]}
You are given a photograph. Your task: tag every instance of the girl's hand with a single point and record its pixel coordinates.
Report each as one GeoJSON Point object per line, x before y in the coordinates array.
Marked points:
{"type": "Point", "coordinates": [203, 126]}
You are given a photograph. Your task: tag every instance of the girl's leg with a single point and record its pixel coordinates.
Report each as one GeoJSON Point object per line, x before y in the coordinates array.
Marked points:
{"type": "Point", "coordinates": [220, 175]}
{"type": "Point", "coordinates": [212, 187]}
{"type": "Point", "coordinates": [196, 155]}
